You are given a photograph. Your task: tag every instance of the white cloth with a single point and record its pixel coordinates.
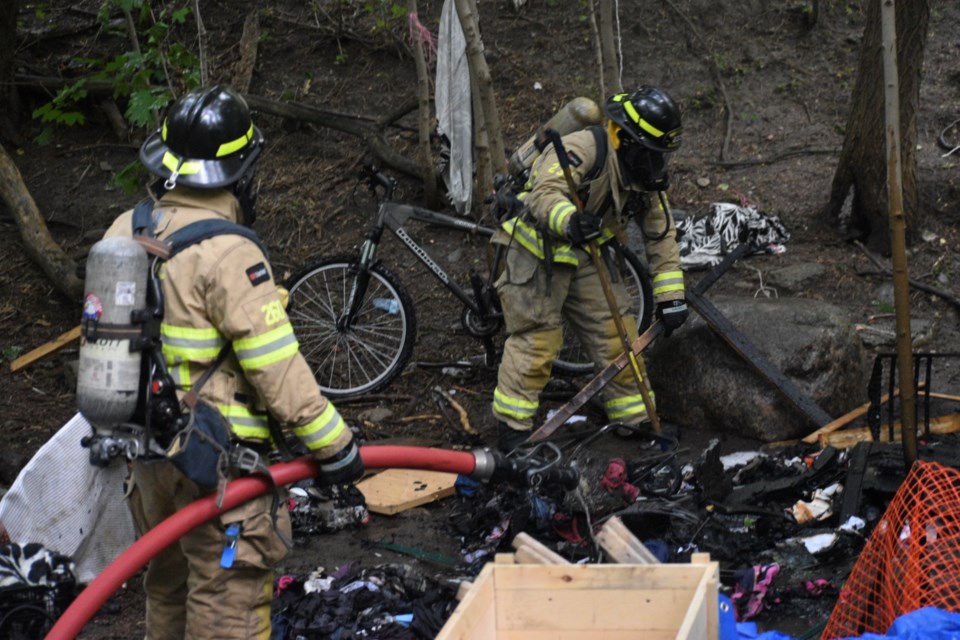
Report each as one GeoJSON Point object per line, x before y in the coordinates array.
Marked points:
{"type": "Point", "coordinates": [70, 506]}
{"type": "Point", "coordinates": [454, 109]}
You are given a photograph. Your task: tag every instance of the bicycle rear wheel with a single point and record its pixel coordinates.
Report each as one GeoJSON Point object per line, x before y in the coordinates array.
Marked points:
{"type": "Point", "coordinates": [573, 359]}
{"type": "Point", "coordinates": [369, 353]}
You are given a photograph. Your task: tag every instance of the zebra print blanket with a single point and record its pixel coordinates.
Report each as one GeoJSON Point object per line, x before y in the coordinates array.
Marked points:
{"type": "Point", "coordinates": [705, 240]}
{"type": "Point", "coordinates": [32, 565]}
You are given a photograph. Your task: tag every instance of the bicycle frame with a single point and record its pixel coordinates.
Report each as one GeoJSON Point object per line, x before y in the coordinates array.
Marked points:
{"type": "Point", "coordinates": [394, 216]}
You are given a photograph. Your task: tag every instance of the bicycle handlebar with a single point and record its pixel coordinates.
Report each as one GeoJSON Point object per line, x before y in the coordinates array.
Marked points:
{"type": "Point", "coordinates": [376, 178]}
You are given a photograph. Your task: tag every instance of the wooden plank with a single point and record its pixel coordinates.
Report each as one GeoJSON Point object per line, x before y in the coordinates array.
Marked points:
{"type": "Point", "coordinates": [845, 419]}
{"type": "Point", "coordinates": [396, 490]}
{"type": "Point", "coordinates": [598, 609]}
{"type": "Point", "coordinates": [624, 547]}
{"type": "Point", "coordinates": [850, 437]}
{"type": "Point", "coordinates": [587, 634]}
{"type": "Point", "coordinates": [525, 542]}
{"type": "Point", "coordinates": [475, 616]}
{"type": "Point", "coordinates": [516, 577]}
{"type": "Point", "coordinates": [54, 345]}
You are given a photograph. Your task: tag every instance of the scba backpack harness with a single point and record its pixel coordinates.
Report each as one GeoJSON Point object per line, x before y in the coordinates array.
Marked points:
{"type": "Point", "coordinates": [188, 431]}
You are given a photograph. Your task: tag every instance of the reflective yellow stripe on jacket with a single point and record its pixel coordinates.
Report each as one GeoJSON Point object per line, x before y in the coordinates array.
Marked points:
{"type": "Point", "coordinates": [267, 348]}
{"type": "Point", "coordinates": [667, 282]}
{"type": "Point", "coordinates": [190, 344]}
{"type": "Point", "coordinates": [531, 240]}
{"type": "Point", "coordinates": [323, 429]}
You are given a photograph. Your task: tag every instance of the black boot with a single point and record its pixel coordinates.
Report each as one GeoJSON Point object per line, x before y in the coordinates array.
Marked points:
{"type": "Point", "coordinates": [509, 438]}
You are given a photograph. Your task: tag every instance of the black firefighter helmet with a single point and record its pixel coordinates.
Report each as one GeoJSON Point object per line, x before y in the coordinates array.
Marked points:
{"type": "Point", "coordinates": [648, 116]}
{"type": "Point", "coordinates": [207, 141]}
{"type": "Point", "coordinates": [644, 126]}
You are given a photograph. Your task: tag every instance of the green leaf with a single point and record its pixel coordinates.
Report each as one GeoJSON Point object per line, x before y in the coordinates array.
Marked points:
{"type": "Point", "coordinates": [141, 106]}
{"type": "Point", "coordinates": [12, 352]}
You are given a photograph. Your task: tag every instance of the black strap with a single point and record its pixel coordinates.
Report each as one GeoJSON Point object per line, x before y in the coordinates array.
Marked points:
{"type": "Point", "coordinates": [601, 145]}
{"type": "Point", "coordinates": [143, 219]}
{"type": "Point", "coordinates": [206, 229]}
{"type": "Point", "coordinates": [600, 142]}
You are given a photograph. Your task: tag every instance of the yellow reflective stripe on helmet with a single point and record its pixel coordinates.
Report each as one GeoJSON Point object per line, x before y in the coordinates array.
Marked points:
{"type": "Point", "coordinates": [513, 407]}
{"type": "Point", "coordinates": [181, 167]}
{"type": "Point", "coordinates": [189, 343]}
{"type": "Point", "coordinates": [529, 238]}
{"type": "Point", "coordinates": [626, 406]}
{"type": "Point", "coordinates": [235, 145]}
{"type": "Point", "coordinates": [322, 430]}
{"type": "Point", "coordinates": [643, 124]}
{"type": "Point", "coordinates": [559, 215]}
{"type": "Point", "coordinates": [267, 348]}
{"type": "Point", "coordinates": [245, 423]}
{"type": "Point", "coordinates": [667, 282]}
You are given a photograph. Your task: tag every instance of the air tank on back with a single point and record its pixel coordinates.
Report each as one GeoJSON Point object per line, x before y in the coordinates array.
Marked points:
{"type": "Point", "coordinates": [577, 114]}
{"type": "Point", "coordinates": [115, 286]}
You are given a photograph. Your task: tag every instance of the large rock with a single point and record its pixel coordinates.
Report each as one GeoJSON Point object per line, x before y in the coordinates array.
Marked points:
{"type": "Point", "coordinates": [700, 381]}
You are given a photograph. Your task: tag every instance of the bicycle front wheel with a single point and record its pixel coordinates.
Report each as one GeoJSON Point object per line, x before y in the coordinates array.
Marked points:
{"type": "Point", "coordinates": [366, 353]}
{"type": "Point", "coordinates": [573, 359]}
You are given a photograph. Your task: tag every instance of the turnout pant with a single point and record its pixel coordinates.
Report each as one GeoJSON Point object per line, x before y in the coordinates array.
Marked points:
{"type": "Point", "coordinates": [189, 595]}
{"type": "Point", "coordinates": [533, 321]}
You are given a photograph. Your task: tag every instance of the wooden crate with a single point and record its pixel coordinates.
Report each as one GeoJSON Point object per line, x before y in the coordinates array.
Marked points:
{"type": "Point", "coordinates": [598, 601]}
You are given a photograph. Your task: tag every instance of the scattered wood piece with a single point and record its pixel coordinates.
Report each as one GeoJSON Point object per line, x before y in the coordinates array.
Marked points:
{"type": "Point", "coordinates": [850, 437]}
{"type": "Point", "coordinates": [396, 490]}
{"type": "Point", "coordinates": [424, 417]}
{"type": "Point", "coordinates": [621, 545]}
{"type": "Point", "coordinates": [54, 345]}
{"type": "Point", "coordinates": [845, 419]}
{"type": "Point", "coordinates": [464, 417]}
{"type": "Point", "coordinates": [531, 550]}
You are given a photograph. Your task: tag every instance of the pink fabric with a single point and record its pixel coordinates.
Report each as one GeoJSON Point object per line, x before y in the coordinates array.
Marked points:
{"type": "Point", "coordinates": [615, 479]}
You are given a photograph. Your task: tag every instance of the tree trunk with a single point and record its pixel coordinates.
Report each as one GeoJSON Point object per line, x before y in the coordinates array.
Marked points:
{"type": "Point", "coordinates": [467, 11]}
{"type": "Point", "coordinates": [423, 120]}
{"type": "Point", "coordinates": [38, 243]}
{"type": "Point", "coordinates": [610, 61]}
{"type": "Point", "coordinates": [862, 168]}
{"type": "Point", "coordinates": [9, 102]}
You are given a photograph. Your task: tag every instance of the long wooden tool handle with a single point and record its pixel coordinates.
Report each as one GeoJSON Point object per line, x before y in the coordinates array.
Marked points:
{"type": "Point", "coordinates": [598, 382]}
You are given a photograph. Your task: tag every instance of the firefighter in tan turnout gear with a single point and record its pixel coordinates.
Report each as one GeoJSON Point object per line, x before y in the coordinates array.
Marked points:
{"type": "Point", "coordinates": [618, 173]}
{"type": "Point", "coordinates": [217, 292]}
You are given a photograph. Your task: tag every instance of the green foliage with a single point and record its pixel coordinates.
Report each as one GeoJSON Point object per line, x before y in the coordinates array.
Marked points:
{"type": "Point", "coordinates": [11, 352]}
{"type": "Point", "coordinates": [143, 79]}
{"type": "Point", "coordinates": [130, 178]}
{"type": "Point", "coordinates": [58, 110]}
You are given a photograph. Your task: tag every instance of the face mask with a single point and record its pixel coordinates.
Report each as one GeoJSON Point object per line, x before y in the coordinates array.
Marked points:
{"type": "Point", "coordinates": [245, 191]}
{"type": "Point", "coordinates": [642, 168]}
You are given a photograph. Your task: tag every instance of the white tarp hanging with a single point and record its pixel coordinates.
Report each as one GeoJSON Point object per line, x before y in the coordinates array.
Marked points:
{"type": "Point", "coordinates": [70, 506]}
{"type": "Point", "coordinates": [453, 104]}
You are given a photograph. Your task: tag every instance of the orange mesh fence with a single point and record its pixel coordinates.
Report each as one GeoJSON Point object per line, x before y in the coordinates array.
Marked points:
{"type": "Point", "coordinates": [912, 559]}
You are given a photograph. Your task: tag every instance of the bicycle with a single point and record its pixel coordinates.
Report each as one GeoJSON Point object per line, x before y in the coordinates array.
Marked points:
{"type": "Point", "coordinates": [356, 322]}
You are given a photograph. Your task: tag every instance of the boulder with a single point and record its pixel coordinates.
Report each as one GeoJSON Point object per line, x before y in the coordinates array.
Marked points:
{"type": "Point", "coordinates": [700, 381]}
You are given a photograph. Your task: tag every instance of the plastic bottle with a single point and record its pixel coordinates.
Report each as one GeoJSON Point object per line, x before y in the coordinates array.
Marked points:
{"type": "Point", "coordinates": [577, 114]}
{"type": "Point", "coordinates": [390, 305]}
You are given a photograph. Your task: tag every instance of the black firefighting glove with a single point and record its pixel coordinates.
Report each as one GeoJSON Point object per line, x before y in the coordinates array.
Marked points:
{"type": "Point", "coordinates": [583, 227]}
{"type": "Point", "coordinates": [672, 313]}
{"type": "Point", "coordinates": [343, 468]}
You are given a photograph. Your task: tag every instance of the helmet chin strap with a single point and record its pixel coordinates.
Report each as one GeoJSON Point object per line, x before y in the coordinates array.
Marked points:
{"type": "Point", "coordinates": [246, 191]}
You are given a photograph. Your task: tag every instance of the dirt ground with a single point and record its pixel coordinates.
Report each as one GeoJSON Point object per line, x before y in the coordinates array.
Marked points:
{"type": "Point", "coordinates": [787, 86]}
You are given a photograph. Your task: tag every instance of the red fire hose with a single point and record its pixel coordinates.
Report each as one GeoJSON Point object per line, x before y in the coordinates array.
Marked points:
{"type": "Point", "coordinates": [86, 605]}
